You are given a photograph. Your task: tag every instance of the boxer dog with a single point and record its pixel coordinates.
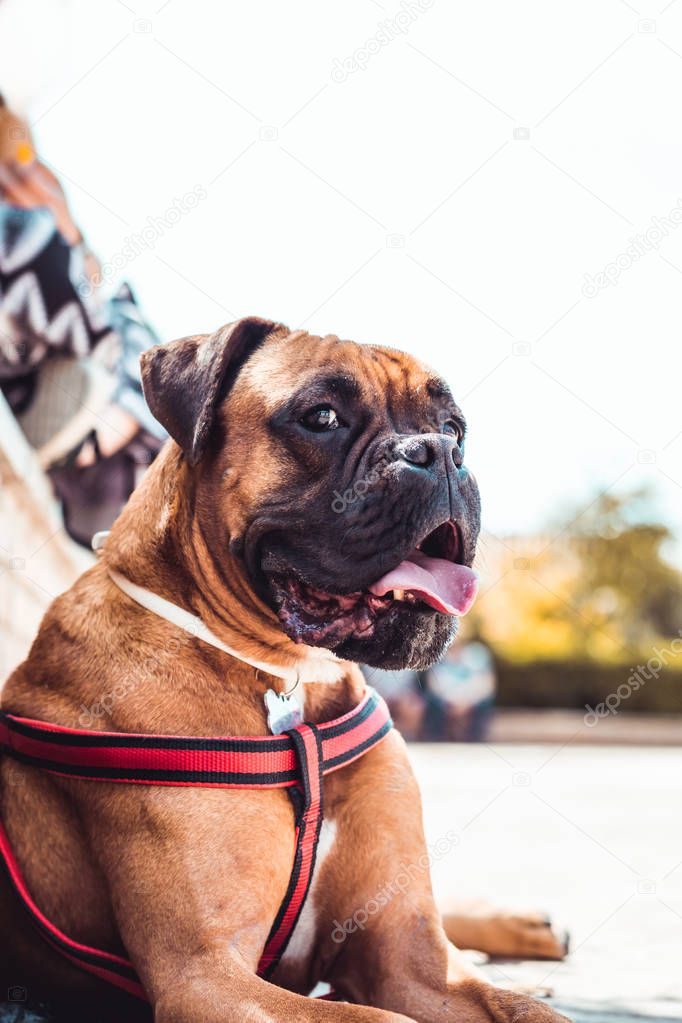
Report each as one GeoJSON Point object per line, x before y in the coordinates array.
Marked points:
{"type": "Point", "coordinates": [238, 521]}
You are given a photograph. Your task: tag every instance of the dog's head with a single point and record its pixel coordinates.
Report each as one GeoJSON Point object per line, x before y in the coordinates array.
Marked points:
{"type": "Point", "coordinates": [333, 472]}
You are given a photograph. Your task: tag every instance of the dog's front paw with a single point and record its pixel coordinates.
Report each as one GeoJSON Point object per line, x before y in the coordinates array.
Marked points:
{"type": "Point", "coordinates": [510, 1007]}
{"type": "Point", "coordinates": [485, 1002]}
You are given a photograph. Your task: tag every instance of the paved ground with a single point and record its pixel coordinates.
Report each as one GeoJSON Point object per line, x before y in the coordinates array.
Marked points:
{"type": "Point", "coordinates": [594, 836]}
{"type": "Point", "coordinates": [511, 724]}
{"type": "Point", "coordinates": [591, 834]}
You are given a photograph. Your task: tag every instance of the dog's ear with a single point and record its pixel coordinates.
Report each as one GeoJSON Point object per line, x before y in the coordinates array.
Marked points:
{"type": "Point", "coordinates": [185, 381]}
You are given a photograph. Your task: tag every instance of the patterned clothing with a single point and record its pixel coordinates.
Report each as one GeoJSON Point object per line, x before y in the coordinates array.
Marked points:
{"type": "Point", "coordinates": [48, 308]}
{"type": "Point", "coordinates": [40, 283]}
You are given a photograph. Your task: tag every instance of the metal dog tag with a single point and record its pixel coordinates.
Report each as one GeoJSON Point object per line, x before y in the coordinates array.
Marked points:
{"type": "Point", "coordinates": [284, 712]}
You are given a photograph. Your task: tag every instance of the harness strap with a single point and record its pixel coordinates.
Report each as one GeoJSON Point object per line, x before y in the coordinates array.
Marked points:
{"type": "Point", "coordinates": [299, 760]}
{"type": "Point", "coordinates": [105, 965]}
{"type": "Point", "coordinates": [235, 762]}
{"type": "Point", "coordinates": [309, 749]}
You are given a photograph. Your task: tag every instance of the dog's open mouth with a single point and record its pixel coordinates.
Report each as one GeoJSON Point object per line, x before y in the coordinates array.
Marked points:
{"type": "Point", "coordinates": [432, 579]}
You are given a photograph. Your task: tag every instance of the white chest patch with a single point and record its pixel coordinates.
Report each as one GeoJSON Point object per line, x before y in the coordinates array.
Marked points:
{"type": "Point", "coordinates": [301, 943]}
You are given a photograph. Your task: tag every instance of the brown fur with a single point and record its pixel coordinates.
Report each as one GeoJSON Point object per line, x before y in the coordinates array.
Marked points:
{"type": "Point", "coordinates": [188, 881]}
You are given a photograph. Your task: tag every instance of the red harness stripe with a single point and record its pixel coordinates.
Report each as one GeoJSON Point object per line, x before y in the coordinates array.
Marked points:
{"type": "Point", "coordinates": [297, 760]}
{"type": "Point", "coordinates": [310, 816]}
{"type": "Point", "coordinates": [105, 965]}
{"type": "Point", "coordinates": [173, 760]}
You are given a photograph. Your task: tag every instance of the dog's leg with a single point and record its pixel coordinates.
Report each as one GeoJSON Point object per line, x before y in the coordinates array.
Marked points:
{"type": "Point", "coordinates": [379, 931]}
{"type": "Point", "coordinates": [195, 886]}
{"type": "Point", "coordinates": [498, 932]}
{"type": "Point", "coordinates": [215, 991]}
{"type": "Point", "coordinates": [408, 965]}
{"type": "Point", "coordinates": [402, 961]}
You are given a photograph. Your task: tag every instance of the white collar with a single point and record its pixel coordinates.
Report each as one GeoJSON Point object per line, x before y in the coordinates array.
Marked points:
{"type": "Point", "coordinates": [327, 668]}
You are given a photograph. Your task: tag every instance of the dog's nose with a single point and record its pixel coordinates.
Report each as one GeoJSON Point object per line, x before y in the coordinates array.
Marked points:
{"type": "Point", "coordinates": [427, 449]}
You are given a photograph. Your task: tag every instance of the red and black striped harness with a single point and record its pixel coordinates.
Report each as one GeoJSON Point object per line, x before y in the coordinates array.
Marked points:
{"type": "Point", "coordinates": [296, 760]}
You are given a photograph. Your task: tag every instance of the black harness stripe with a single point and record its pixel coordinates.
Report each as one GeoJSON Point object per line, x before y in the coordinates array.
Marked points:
{"type": "Point", "coordinates": [122, 741]}
{"type": "Point", "coordinates": [304, 782]}
{"type": "Point", "coordinates": [151, 775]}
{"type": "Point", "coordinates": [351, 754]}
{"type": "Point", "coordinates": [304, 803]}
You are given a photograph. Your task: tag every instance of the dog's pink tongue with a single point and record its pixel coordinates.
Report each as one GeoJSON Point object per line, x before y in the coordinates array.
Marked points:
{"type": "Point", "coordinates": [448, 587]}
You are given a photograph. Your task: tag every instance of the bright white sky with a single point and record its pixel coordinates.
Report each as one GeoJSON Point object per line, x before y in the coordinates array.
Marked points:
{"type": "Point", "coordinates": [397, 205]}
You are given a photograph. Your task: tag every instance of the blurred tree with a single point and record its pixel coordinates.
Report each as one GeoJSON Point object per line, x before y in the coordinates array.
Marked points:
{"type": "Point", "coordinates": [624, 578]}
{"type": "Point", "coordinates": [599, 588]}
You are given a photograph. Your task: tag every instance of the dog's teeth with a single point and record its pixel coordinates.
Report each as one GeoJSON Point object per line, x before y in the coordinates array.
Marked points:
{"type": "Point", "coordinates": [399, 594]}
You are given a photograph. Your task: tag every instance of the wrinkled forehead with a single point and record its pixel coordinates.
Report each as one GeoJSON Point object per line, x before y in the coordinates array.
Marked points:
{"type": "Point", "coordinates": [286, 365]}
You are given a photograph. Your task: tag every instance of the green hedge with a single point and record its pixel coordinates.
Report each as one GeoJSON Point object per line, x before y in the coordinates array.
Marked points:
{"type": "Point", "coordinates": [574, 684]}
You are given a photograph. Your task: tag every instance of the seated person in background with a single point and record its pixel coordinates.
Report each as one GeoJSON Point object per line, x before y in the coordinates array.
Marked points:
{"type": "Point", "coordinates": [57, 329]}
{"type": "Point", "coordinates": [451, 702]}
{"type": "Point", "coordinates": [402, 691]}
{"type": "Point", "coordinates": [460, 694]}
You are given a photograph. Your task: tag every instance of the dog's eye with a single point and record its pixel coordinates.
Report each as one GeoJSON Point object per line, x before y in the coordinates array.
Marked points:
{"type": "Point", "coordinates": [451, 427]}
{"type": "Point", "coordinates": [323, 419]}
